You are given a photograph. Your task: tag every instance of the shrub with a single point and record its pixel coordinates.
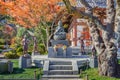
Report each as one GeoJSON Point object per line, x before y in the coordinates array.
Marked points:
{"type": "Point", "coordinates": [19, 53]}
{"type": "Point", "coordinates": [2, 41]}
{"type": "Point", "coordinates": [2, 47]}
{"type": "Point", "coordinates": [19, 49]}
{"type": "Point", "coordinates": [45, 52]}
{"type": "Point", "coordinates": [1, 50]}
{"type": "Point", "coordinates": [30, 48]}
{"type": "Point", "coordinates": [29, 52]}
{"type": "Point", "coordinates": [10, 55]}
{"type": "Point", "coordinates": [41, 48]}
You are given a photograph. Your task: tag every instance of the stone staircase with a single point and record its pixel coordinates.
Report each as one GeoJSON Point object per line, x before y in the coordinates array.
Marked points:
{"type": "Point", "coordinates": [60, 70]}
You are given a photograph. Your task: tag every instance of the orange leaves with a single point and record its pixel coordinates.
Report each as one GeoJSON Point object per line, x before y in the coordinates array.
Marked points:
{"type": "Point", "coordinates": [9, 4]}
{"type": "Point", "coordinates": [2, 8]}
{"type": "Point", "coordinates": [5, 6]}
{"type": "Point", "coordinates": [28, 12]}
{"type": "Point", "coordinates": [57, 7]}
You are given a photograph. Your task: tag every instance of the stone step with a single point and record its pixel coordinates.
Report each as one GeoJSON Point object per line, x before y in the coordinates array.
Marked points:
{"type": "Point", "coordinates": [60, 67]}
{"type": "Point", "coordinates": [60, 72]}
{"type": "Point", "coordinates": [74, 51]}
{"type": "Point", "coordinates": [60, 63]}
{"type": "Point", "coordinates": [62, 77]}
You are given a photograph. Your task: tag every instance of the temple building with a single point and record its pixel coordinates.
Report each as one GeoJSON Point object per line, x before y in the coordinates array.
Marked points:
{"type": "Point", "coordinates": [79, 28]}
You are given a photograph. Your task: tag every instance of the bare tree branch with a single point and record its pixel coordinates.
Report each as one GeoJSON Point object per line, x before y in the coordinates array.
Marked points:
{"type": "Point", "coordinates": [84, 14]}
{"type": "Point", "coordinates": [87, 6]}
{"type": "Point", "coordinates": [92, 18]}
{"type": "Point", "coordinates": [68, 5]}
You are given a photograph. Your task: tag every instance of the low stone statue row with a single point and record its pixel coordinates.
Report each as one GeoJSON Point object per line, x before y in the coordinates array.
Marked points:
{"type": "Point", "coordinates": [25, 43]}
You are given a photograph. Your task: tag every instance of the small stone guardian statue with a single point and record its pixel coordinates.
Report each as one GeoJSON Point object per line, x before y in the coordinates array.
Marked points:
{"type": "Point", "coordinates": [25, 42]}
{"type": "Point", "coordinates": [35, 46]}
{"type": "Point", "coordinates": [25, 60]}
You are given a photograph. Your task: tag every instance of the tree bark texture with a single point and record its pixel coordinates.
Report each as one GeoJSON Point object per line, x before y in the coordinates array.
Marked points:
{"type": "Point", "coordinates": [117, 21]}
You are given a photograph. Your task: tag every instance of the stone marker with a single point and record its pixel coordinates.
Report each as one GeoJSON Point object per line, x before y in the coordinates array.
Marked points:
{"type": "Point", "coordinates": [6, 66]}
{"type": "Point", "coordinates": [93, 62]}
{"type": "Point", "coordinates": [25, 61]}
{"type": "Point", "coordinates": [35, 47]}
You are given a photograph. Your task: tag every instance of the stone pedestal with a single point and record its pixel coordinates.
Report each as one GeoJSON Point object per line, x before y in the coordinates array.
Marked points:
{"type": "Point", "coordinates": [35, 53]}
{"type": "Point", "coordinates": [60, 53]}
{"type": "Point", "coordinates": [10, 67]}
{"type": "Point", "coordinates": [25, 62]}
{"type": "Point", "coordinates": [55, 42]}
{"type": "Point", "coordinates": [6, 66]}
{"type": "Point", "coordinates": [93, 62]}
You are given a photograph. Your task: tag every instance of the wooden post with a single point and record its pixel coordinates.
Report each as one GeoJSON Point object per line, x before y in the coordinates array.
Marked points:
{"type": "Point", "coordinates": [80, 71]}
{"type": "Point", "coordinates": [87, 64]}
{"type": "Point", "coordinates": [86, 78]}
{"type": "Point", "coordinates": [35, 75]}
{"type": "Point", "coordinates": [40, 73]}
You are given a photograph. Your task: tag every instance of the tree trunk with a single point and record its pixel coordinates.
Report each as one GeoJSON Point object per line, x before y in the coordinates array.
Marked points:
{"type": "Point", "coordinates": [47, 41]}
{"type": "Point", "coordinates": [117, 21]}
{"type": "Point", "coordinates": [107, 54]}
{"type": "Point", "coordinates": [104, 44]}
{"type": "Point", "coordinates": [107, 61]}
{"type": "Point", "coordinates": [41, 36]}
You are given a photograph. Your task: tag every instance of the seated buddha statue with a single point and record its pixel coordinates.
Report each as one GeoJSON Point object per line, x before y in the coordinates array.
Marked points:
{"type": "Point", "coordinates": [59, 33]}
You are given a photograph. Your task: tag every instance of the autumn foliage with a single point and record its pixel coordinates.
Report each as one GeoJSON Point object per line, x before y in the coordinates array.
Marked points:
{"type": "Point", "coordinates": [28, 13]}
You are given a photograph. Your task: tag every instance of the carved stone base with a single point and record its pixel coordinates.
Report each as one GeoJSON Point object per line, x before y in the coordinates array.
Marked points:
{"type": "Point", "coordinates": [55, 42]}
{"type": "Point", "coordinates": [35, 53]}
{"type": "Point", "coordinates": [60, 53]}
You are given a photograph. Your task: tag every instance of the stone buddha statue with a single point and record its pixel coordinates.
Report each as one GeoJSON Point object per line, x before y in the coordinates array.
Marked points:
{"type": "Point", "coordinates": [60, 46]}
{"type": "Point", "coordinates": [59, 34]}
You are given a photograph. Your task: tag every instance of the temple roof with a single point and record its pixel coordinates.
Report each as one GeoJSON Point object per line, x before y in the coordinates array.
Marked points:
{"type": "Point", "coordinates": [93, 3]}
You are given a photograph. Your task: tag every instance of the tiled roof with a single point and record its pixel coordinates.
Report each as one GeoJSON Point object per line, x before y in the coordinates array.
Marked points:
{"type": "Point", "coordinates": [93, 3]}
